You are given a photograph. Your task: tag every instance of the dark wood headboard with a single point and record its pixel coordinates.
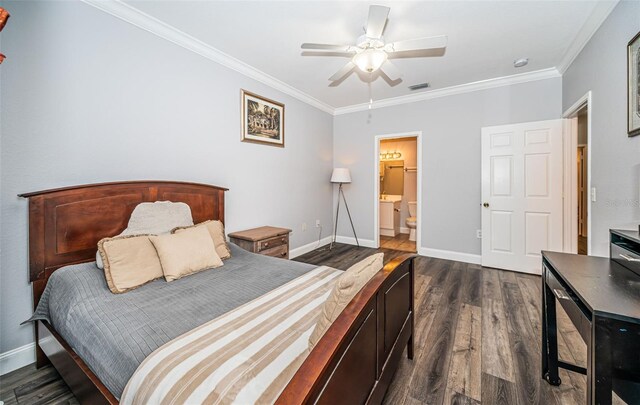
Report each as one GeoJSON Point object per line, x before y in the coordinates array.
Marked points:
{"type": "Point", "coordinates": [66, 224]}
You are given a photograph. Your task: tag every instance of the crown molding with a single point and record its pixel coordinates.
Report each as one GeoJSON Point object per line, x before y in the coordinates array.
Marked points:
{"type": "Point", "coordinates": [600, 13]}
{"type": "Point", "coordinates": [453, 90]}
{"type": "Point", "coordinates": [133, 16]}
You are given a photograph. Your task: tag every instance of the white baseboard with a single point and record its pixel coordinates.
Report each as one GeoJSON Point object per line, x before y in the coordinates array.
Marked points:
{"type": "Point", "coordinates": [299, 251]}
{"type": "Point", "coordinates": [17, 358]}
{"type": "Point", "coordinates": [404, 229]}
{"type": "Point", "coordinates": [387, 232]}
{"type": "Point", "coordinates": [450, 255]}
{"type": "Point", "coordinates": [352, 241]}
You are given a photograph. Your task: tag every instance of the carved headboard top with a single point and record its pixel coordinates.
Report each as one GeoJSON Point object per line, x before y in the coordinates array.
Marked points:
{"type": "Point", "coordinates": [66, 224]}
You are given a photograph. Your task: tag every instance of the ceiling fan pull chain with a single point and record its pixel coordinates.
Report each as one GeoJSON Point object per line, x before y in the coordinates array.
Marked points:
{"type": "Point", "coordinates": [370, 92]}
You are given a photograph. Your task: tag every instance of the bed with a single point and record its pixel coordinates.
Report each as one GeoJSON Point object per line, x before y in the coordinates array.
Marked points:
{"type": "Point", "coordinates": [352, 363]}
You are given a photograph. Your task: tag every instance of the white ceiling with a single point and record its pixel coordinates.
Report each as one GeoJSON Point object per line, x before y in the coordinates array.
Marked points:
{"type": "Point", "coordinates": [485, 37]}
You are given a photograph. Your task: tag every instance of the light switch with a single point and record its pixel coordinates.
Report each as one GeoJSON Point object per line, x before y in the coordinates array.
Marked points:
{"type": "Point", "coordinates": [593, 194]}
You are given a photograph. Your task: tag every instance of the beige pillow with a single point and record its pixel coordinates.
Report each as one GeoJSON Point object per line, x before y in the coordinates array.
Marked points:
{"type": "Point", "coordinates": [216, 230]}
{"type": "Point", "coordinates": [186, 252]}
{"type": "Point", "coordinates": [345, 288]}
{"type": "Point", "coordinates": [129, 262]}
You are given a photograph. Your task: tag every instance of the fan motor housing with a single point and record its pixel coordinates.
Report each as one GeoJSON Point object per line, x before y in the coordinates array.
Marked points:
{"type": "Point", "coordinates": [364, 42]}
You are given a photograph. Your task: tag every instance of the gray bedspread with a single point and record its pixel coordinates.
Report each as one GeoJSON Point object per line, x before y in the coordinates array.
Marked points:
{"type": "Point", "coordinates": [114, 333]}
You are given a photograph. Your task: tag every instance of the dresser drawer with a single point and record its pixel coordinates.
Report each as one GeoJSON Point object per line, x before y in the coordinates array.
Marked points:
{"type": "Point", "coordinates": [571, 305]}
{"type": "Point", "coordinates": [281, 251]}
{"type": "Point", "coordinates": [271, 243]}
{"type": "Point", "coordinates": [625, 257]}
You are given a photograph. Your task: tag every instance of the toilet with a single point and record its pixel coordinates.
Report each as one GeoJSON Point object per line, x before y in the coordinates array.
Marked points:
{"type": "Point", "coordinates": [411, 221]}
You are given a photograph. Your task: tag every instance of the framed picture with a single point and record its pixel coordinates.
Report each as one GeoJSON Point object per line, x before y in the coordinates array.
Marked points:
{"type": "Point", "coordinates": [262, 120]}
{"type": "Point", "coordinates": [633, 86]}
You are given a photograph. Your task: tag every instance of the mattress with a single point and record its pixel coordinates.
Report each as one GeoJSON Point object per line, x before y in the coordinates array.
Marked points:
{"type": "Point", "coordinates": [114, 333]}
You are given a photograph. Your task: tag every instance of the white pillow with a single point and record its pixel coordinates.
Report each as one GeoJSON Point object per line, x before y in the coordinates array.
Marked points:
{"type": "Point", "coordinates": [158, 217]}
{"type": "Point", "coordinates": [155, 218]}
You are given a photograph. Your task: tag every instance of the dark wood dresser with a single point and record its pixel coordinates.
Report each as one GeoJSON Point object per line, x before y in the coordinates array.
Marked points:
{"type": "Point", "coordinates": [265, 240]}
{"type": "Point", "coordinates": [602, 298]}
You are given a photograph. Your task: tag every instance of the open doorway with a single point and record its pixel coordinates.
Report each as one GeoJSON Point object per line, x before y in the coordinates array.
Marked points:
{"type": "Point", "coordinates": [397, 198]}
{"type": "Point", "coordinates": [582, 157]}
{"type": "Point", "coordinates": [577, 178]}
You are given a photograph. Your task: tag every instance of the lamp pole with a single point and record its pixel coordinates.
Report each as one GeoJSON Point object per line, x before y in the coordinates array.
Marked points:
{"type": "Point", "coordinates": [335, 228]}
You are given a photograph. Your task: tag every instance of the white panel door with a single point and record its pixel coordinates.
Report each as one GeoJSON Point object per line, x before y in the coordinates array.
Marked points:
{"type": "Point", "coordinates": [521, 194]}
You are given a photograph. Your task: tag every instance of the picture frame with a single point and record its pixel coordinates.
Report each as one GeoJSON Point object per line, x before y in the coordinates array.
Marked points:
{"type": "Point", "coordinates": [262, 120]}
{"type": "Point", "coordinates": [633, 86]}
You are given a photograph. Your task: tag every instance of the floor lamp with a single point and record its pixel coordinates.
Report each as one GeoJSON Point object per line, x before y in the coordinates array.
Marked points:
{"type": "Point", "coordinates": [341, 176]}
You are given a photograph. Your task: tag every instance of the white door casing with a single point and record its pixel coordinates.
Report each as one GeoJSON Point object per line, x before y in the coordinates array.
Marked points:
{"type": "Point", "coordinates": [522, 182]}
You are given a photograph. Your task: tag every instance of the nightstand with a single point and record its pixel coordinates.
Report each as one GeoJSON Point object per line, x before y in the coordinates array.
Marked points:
{"type": "Point", "coordinates": [265, 240]}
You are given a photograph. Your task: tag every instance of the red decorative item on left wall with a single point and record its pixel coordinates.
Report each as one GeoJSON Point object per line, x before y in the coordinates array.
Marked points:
{"type": "Point", "coordinates": [4, 16]}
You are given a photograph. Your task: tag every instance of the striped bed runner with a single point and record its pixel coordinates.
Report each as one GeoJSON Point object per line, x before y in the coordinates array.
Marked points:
{"type": "Point", "coordinates": [246, 356]}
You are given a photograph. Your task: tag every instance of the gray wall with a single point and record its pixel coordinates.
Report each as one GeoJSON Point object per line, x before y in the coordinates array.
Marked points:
{"type": "Point", "coordinates": [88, 98]}
{"type": "Point", "coordinates": [615, 159]}
{"type": "Point", "coordinates": [451, 155]}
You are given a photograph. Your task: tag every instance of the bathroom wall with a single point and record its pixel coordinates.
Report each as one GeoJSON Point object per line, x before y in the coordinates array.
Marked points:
{"type": "Point", "coordinates": [408, 148]}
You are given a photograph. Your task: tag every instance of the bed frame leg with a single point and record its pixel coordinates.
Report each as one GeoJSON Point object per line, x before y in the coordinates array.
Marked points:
{"type": "Point", "coordinates": [41, 358]}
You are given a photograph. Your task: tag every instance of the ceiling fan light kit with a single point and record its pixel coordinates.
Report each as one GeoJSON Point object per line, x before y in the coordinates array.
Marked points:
{"type": "Point", "coordinates": [370, 59]}
{"type": "Point", "coordinates": [371, 53]}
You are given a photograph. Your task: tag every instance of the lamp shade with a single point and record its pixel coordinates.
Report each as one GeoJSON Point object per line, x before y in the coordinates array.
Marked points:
{"type": "Point", "coordinates": [341, 175]}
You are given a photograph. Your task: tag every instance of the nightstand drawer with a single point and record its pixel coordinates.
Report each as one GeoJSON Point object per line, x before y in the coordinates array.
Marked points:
{"type": "Point", "coordinates": [272, 243]}
{"type": "Point", "coordinates": [281, 251]}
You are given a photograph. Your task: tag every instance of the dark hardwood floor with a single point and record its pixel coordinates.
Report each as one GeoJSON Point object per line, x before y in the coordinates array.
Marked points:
{"type": "Point", "coordinates": [477, 340]}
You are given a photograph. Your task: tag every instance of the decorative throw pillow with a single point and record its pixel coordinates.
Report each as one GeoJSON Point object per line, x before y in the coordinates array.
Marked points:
{"type": "Point", "coordinates": [158, 217]}
{"type": "Point", "coordinates": [186, 252]}
{"type": "Point", "coordinates": [345, 288]}
{"type": "Point", "coordinates": [216, 230]}
{"type": "Point", "coordinates": [129, 262]}
{"type": "Point", "coordinates": [155, 218]}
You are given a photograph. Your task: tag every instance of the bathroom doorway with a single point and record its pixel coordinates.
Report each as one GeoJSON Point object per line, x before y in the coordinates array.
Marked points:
{"type": "Point", "coordinates": [398, 191]}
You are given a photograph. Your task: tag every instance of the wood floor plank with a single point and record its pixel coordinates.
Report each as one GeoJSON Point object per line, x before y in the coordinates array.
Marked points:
{"type": "Point", "coordinates": [429, 379]}
{"type": "Point", "coordinates": [507, 276]}
{"type": "Point", "coordinates": [456, 398]}
{"type": "Point", "coordinates": [525, 352]}
{"type": "Point", "coordinates": [496, 354]}
{"type": "Point", "coordinates": [472, 289]}
{"type": "Point", "coordinates": [491, 284]}
{"type": "Point", "coordinates": [496, 391]}
{"type": "Point", "coordinates": [465, 370]}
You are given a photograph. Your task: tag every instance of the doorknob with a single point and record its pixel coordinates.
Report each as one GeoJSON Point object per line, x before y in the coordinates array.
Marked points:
{"type": "Point", "coordinates": [486, 205]}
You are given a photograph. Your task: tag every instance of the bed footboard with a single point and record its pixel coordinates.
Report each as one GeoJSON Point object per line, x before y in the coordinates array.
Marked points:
{"type": "Point", "coordinates": [355, 360]}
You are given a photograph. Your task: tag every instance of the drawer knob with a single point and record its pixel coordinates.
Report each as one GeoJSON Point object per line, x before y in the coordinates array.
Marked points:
{"type": "Point", "coordinates": [283, 253]}
{"type": "Point", "coordinates": [629, 258]}
{"type": "Point", "coordinates": [266, 244]}
{"type": "Point", "coordinates": [282, 240]}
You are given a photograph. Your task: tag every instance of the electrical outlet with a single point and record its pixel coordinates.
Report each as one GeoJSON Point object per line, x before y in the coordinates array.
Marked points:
{"type": "Point", "coordinates": [317, 223]}
{"type": "Point", "coordinates": [479, 233]}
{"type": "Point", "coordinates": [304, 226]}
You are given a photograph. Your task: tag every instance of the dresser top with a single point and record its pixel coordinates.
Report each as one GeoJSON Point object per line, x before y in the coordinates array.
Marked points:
{"type": "Point", "coordinates": [261, 233]}
{"type": "Point", "coordinates": [603, 285]}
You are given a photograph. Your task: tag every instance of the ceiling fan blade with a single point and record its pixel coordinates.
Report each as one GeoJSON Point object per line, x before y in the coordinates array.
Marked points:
{"type": "Point", "coordinates": [342, 72]}
{"type": "Point", "coordinates": [328, 53]}
{"type": "Point", "coordinates": [439, 41]}
{"type": "Point", "coordinates": [326, 47]}
{"type": "Point", "coordinates": [392, 72]}
{"type": "Point", "coordinates": [417, 53]}
{"type": "Point", "coordinates": [377, 20]}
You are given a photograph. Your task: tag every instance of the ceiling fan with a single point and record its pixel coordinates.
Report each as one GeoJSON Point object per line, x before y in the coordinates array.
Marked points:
{"type": "Point", "coordinates": [371, 53]}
